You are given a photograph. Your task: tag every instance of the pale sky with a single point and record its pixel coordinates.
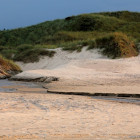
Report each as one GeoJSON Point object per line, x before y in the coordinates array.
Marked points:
{"type": "Point", "coordinates": [21, 13]}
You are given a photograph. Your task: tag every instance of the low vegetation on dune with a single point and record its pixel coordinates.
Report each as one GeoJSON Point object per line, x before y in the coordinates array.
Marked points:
{"type": "Point", "coordinates": [117, 45]}
{"type": "Point", "coordinates": [124, 15]}
{"type": "Point", "coordinates": [30, 53]}
{"type": "Point", "coordinates": [8, 67]}
{"type": "Point", "coordinates": [115, 33]}
{"type": "Point", "coordinates": [114, 45]}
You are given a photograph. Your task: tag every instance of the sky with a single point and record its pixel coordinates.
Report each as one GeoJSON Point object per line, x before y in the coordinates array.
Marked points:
{"type": "Point", "coordinates": [21, 13]}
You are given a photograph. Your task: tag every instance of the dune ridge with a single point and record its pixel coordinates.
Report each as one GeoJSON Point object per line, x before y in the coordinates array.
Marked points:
{"type": "Point", "coordinates": [86, 71]}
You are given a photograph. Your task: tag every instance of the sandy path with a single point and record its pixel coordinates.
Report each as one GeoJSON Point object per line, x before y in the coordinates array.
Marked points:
{"type": "Point", "coordinates": [46, 116]}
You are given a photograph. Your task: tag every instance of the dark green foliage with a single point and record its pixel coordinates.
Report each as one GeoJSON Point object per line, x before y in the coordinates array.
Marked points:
{"type": "Point", "coordinates": [117, 45]}
{"type": "Point", "coordinates": [8, 53]}
{"type": "Point", "coordinates": [84, 23]}
{"type": "Point", "coordinates": [74, 46]}
{"type": "Point", "coordinates": [93, 22]}
{"type": "Point", "coordinates": [124, 15]}
{"type": "Point", "coordinates": [108, 46]}
{"type": "Point", "coordinates": [47, 32]}
{"type": "Point", "coordinates": [92, 44]}
{"type": "Point", "coordinates": [114, 45]}
{"type": "Point", "coordinates": [28, 53]}
{"type": "Point", "coordinates": [71, 33]}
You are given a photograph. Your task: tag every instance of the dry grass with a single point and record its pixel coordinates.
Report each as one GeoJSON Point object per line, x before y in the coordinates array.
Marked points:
{"type": "Point", "coordinates": [117, 45]}
{"type": "Point", "coordinates": [126, 46]}
{"type": "Point", "coordinates": [7, 66]}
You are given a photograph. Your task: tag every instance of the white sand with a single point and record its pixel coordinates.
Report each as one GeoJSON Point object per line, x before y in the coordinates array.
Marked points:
{"type": "Point", "coordinates": [87, 71]}
{"type": "Point", "coordinates": [61, 58]}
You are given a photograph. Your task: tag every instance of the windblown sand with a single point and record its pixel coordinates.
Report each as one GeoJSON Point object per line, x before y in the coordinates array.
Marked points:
{"type": "Point", "coordinates": [87, 71]}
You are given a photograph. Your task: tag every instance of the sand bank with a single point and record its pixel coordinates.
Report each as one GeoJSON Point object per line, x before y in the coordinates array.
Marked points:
{"type": "Point", "coordinates": [87, 71]}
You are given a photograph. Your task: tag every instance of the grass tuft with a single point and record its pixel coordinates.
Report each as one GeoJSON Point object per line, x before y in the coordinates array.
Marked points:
{"type": "Point", "coordinates": [117, 45]}
{"type": "Point", "coordinates": [8, 66]}
{"type": "Point", "coordinates": [28, 53]}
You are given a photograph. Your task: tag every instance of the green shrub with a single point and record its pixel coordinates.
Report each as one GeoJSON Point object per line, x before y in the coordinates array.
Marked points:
{"type": "Point", "coordinates": [92, 44]}
{"type": "Point", "coordinates": [84, 23]}
{"type": "Point", "coordinates": [8, 65]}
{"type": "Point", "coordinates": [74, 46]}
{"type": "Point", "coordinates": [117, 45]}
{"type": "Point", "coordinates": [124, 15]}
{"type": "Point", "coordinates": [31, 54]}
{"type": "Point", "coordinates": [45, 46]}
{"type": "Point", "coordinates": [94, 30]}
{"type": "Point", "coordinates": [8, 53]}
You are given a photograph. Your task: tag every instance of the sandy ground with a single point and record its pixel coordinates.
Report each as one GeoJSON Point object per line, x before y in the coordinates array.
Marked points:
{"type": "Point", "coordinates": [66, 117]}
{"type": "Point", "coordinates": [87, 71]}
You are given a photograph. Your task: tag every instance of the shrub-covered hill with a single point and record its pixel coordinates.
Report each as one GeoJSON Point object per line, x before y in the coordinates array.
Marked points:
{"type": "Point", "coordinates": [124, 15]}
{"type": "Point", "coordinates": [81, 29]}
{"type": "Point", "coordinates": [127, 22]}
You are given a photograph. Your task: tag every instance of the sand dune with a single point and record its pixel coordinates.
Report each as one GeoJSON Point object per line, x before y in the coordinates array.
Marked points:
{"type": "Point", "coordinates": [87, 71]}
{"type": "Point", "coordinates": [52, 116]}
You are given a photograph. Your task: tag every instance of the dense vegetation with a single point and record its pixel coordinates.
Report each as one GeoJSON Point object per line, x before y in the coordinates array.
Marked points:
{"type": "Point", "coordinates": [72, 33]}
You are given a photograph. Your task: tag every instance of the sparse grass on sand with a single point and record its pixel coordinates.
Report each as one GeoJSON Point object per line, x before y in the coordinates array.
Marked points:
{"type": "Point", "coordinates": [8, 66]}
{"type": "Point", "coordinates": [114, 45]}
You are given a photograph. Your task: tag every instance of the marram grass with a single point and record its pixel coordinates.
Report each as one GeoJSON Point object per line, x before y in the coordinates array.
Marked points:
{"type": "Point", "coordinates": [8, 65]}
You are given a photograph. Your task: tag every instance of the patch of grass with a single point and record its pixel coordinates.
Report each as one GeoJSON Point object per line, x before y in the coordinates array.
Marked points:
{"type": "Point", "coordinates": [91, 44]}
{"type": "Point", "coordinates": [73, 28]}
{"type": "Point", "coordinates": [74, 46]}
{"type": "Point", "coordinates": [124, 15]}
{"type": "Point", "coordinates": [97, 30]}
{"type": "Point", "coordinates": [8, 65]}
{"type": "Point", "coordinates": [8, 53]}
{"type": "Point", "coordinates": [44, 46]}
{"type": "Point", "coordinates": [117, 45]}
{"type": "Point", "coordinates": [29, 53]}
{"type": "Point", "coordinates": [114, 45]}
{"type": "Point", "coordinates": [70, 36]}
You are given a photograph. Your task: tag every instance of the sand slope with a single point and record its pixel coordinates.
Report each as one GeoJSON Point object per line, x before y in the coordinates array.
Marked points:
{"type": "Point", "coordinates": [87, 71]}
{"type": "Point", "coordinates": [65, 117]}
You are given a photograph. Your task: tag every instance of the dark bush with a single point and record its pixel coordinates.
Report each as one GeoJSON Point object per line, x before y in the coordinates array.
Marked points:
{"type": "Point", "coordinates": [85, 23]}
